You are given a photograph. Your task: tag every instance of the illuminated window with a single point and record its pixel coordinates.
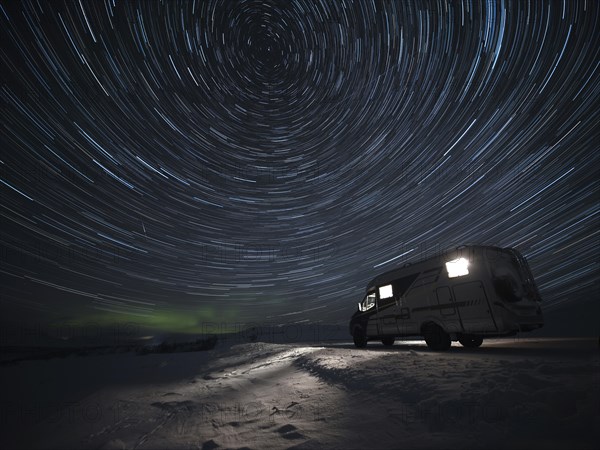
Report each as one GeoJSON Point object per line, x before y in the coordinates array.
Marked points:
{"type": "Point", "coordinates": [385, 291]}
{"type": "Point", "coordinates": [457, 267]}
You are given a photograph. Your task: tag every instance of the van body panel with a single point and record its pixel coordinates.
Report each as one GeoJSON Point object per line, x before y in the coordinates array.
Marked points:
{"type": "Point", "coordinates": [474, 308]}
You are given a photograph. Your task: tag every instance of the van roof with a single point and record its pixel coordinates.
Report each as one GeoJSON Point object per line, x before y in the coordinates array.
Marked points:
{"type": "Point", "coordinates": [430, 261]}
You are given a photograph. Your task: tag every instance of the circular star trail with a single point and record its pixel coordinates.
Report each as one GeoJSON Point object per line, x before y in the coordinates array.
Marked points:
{"type": "Point", "coordinates": [182, 162]}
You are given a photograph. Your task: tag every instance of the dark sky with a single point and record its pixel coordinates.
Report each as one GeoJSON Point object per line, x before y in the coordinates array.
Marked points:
{"type": "Point", "coordinates": [180, 162]}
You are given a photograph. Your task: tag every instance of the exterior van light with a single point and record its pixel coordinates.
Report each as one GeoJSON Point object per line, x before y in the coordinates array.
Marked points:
{"type": "Point", "coordinates": [457, 267]}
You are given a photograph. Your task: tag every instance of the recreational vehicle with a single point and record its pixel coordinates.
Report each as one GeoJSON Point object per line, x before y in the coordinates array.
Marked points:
{"type": "Point", "coordinates": [465, 294]}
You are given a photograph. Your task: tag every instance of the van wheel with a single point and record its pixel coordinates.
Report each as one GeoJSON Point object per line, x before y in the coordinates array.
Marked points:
{"type": "Point", "coordinates": [360, 337]}
{"type": "Point", "coordinates": [388, 340]}
{"type": "Point", "coordinates": [436, 338]}
{"type": "Point", "coordinates": [471, 341]}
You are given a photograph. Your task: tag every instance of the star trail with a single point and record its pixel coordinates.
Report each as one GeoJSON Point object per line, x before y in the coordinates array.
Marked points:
{"type": "Point", "coordinates": [179, 162]}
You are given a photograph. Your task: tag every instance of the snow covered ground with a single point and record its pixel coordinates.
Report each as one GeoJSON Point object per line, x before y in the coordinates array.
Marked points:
{"type": "Point", "coordinates": [513, 393]}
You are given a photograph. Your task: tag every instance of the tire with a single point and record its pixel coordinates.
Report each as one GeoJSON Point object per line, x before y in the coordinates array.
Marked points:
{"type": "Point", "coordinates": [471, 341]}
{"type": "Point", "coordinates": [436, 338]}
{"type": "Point", "coordinates": [388, 341]}
{"type": "Point", "coordinates": [359, 337]}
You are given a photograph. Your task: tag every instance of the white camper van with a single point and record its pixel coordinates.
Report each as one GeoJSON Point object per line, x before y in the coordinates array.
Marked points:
{"type": "Point", "coordinates": [467, 294]}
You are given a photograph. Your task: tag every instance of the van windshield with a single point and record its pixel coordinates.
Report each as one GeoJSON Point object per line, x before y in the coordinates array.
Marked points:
{"type": "Point", "coordinates": [368, 302]}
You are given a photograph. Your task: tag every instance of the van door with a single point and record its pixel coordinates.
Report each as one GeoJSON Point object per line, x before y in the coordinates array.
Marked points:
{"type": "Point", "coordinates": [445, 301]}
{"type": "Point", "coordinates": [473, 307]}
{"type": "Point", "coordinates": [386, 311]}
{"type": "Point", "coordinates": [407, 324]}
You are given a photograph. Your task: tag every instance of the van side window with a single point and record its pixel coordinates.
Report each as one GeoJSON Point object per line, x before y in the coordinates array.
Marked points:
{"type": "Point", "coordinates": [386, 291]}
{"type": "Point", "coordinates": [427, 277]}
{"type": "Point", "coordinates": [386, 297]}
{"type": "Point", "coordinates": [401, 285]}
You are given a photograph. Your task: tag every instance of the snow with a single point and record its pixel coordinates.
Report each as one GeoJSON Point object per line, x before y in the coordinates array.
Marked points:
{"type": "Point", "coordinates": [512, 393]}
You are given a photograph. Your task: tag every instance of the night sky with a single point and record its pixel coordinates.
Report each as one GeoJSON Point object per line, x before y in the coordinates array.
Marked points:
{"type": "Point", "coordinates": [173, 163]}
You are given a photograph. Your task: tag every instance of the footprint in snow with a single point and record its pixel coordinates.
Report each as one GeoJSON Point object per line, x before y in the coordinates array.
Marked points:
{"type": "Point", "coordinates": [210, 445]}
{"type": "Point", "coordinates": [115, 444]}
{"type": "Point", "coordinates": [289, 432]}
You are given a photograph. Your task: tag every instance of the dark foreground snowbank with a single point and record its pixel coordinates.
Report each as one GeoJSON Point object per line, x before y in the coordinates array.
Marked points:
{"type": "Point", "coordinates": [514, 393]}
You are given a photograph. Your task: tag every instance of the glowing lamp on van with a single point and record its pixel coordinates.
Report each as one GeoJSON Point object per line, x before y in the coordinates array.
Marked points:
{"type": "Point", "coordinates": [457, 267]}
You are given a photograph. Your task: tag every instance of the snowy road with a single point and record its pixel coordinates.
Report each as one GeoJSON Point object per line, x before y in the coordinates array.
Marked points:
{"type": "Point", "coordinates": [527, 393]}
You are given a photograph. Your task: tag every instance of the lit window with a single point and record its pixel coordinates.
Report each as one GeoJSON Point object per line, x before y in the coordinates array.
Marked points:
{"type": "Point", "coordinates": [386, 291]}
{"type": "Point", "coordinates": [457, 267]}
